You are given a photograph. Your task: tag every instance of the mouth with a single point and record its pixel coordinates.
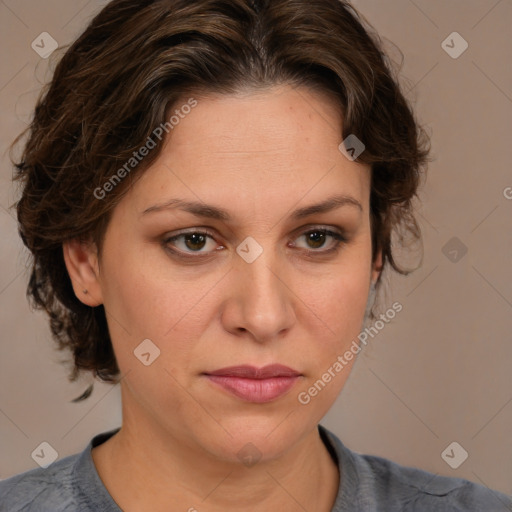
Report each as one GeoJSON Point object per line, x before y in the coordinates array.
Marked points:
{"type": "Point", "coordinates": [257, 385]}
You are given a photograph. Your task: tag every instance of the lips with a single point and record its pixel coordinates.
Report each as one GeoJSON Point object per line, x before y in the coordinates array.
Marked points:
{"type": "Point", "coordinates": [257, 385]}
{"type": "Point", "coordinates": [251, 372]}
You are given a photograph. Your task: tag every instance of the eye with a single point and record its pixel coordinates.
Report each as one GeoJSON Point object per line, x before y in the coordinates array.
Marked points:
{"type": "Point", "coordinates": [193, 241]}
{"type": "Point", "coordinates": [316, 239]}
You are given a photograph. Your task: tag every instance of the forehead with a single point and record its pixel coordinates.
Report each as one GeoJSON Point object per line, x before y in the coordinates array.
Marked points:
{"type": "Point", "coordinates": [281, 120]}
{"type": "Point", "coordinates": [271, 148]}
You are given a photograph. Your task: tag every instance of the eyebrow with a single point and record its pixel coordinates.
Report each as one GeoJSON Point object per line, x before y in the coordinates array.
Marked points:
{"type": "Point", "coordinates": [213, 212]}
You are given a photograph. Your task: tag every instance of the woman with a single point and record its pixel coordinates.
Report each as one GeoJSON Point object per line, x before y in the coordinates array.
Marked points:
{"type": "Point", "coordinates": [209, 193]}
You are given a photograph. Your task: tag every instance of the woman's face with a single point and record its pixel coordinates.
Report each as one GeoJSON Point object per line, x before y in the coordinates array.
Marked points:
{"type": "Point", "coordinates": [263, 286]}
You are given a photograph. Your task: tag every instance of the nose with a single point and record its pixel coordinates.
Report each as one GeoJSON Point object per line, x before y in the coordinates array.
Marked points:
{"type": "Point", "coordinates": [262, 301]}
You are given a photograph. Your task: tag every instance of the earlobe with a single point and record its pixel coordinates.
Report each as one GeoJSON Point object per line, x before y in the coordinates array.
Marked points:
{"type": "Point", "coordinates": [81, 261]}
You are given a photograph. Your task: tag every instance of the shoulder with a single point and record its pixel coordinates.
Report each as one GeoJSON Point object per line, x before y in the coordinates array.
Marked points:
{"type": "Point", "coordinates": [42, 489]}
{"type": "Point", "coordinates": [415, 489]}
{"type": "Point", "coordinates": [370, 482]}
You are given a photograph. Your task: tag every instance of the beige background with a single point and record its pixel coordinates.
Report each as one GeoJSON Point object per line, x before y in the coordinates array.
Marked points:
{"type": "Point", "coordinates": [440, 372]}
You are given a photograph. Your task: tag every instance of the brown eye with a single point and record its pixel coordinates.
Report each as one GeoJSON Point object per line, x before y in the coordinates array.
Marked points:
{"type": "Point", "coordinates": [192, 242]}
{"type": "Point", "coordinates": [316, 239]}
{"type": "Point", "coordinates": [190, 245]}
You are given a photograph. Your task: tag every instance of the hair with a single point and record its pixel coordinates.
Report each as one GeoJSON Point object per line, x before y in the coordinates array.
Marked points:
{"type": "Point", "coordinates": [129, 68]}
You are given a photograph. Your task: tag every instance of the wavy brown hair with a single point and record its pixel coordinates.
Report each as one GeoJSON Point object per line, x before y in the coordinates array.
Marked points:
{"type": "Point", "coordinates": [124, 74]}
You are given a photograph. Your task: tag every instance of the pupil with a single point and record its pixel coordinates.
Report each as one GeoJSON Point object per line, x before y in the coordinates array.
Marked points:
{"type": "Point", "coordinates": [313, 236]}
{"type": "Point", "coordinates": [197, 239]}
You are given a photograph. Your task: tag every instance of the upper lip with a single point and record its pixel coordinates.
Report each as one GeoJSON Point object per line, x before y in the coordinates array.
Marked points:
{"type": "Point", "coordinates": [251, 372]}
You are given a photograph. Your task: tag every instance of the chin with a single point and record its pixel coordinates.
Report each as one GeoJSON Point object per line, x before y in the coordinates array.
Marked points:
{"type": "Point", "coordinates": [264, 437]}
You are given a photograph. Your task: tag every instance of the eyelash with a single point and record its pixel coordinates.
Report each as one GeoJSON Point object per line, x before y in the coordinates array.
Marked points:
{"type": "Point", "coordinates": [340, 239]}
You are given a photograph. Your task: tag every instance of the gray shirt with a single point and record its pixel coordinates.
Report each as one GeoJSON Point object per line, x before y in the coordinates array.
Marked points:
{"type": "Point", "coordinates": [368, 484]}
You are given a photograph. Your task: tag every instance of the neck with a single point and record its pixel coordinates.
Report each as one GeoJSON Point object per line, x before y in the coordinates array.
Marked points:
{"type": "Point", "coordinates": [144, 467]}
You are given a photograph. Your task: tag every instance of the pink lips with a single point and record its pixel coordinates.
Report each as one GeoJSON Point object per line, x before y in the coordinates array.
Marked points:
{"type": "Point", "coordinates": [257, 385]}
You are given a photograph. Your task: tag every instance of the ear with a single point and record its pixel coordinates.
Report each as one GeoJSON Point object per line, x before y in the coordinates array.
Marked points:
{"type": "Point", "coordinates": [377, 267]}
{"type": "Point", "coordinates": [81, 260]}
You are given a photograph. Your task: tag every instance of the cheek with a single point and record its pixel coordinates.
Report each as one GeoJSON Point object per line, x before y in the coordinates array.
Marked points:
{"type": "Point", "coordinates": [341, 321]}
{"type": "Point", "coordinates": [339, 301]}
{"type": "Point", "coordinates": [351, 303]}
{"type": "Point", "coordinates": [339, 314]}
{"type": "Point", "coordinates": [146, 298]}
{"type": "Point", "coordinates": [137, 291]}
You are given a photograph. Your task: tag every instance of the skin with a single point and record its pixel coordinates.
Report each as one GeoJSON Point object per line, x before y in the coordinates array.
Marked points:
{"type": "Point", "coordinates": [259, 155]}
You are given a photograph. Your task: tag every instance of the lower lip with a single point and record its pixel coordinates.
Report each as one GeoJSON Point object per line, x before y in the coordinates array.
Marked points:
{"type": "Point", "coordinates": [255, 390]}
